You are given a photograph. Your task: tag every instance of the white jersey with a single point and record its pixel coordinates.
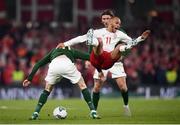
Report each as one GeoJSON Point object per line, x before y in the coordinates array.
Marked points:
{"type": "Point", "coordinates": [109, 39]}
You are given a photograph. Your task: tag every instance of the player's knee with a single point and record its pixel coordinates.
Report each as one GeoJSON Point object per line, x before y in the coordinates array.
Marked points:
{"type": "Point", "coordinates": [97, 88]}
{"type": "Point", "coordinates": [82, 86]}
{"type": "Point", "coordinates": [122, 83]}
{"type": "Point", "coordinates": [48, 87]}
{"type": "Point", "coordinates": [97, 85]}
{"type": "Point", "coordinates": [123, 88]}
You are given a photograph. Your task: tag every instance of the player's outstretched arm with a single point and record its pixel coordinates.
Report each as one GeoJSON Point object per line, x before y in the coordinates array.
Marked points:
{"type": "Point", "coordinates": [76, 40]}
{"type": "Point", "coordinates": [26, 83]}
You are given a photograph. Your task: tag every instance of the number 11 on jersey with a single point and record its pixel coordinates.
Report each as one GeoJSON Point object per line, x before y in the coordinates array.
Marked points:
{"type": "Point", "coordinates": [108, 40]}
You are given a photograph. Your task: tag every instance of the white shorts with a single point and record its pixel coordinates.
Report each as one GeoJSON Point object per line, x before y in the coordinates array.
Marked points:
{"type": "Point", "coordinates": [60, 67]}
{"type": "Point", "coordinates": [117, 70]}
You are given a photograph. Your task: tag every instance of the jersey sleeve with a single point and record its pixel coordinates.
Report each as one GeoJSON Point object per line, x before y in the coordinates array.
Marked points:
{"type": "Point", "coordinates": [98, 33]}
{"type": "Point", "coordinates": [80, 55]}
{"type": "Point", "coordinates": [76, 40]}
{"type": "Point", "coordinates": [123, 37]}
{"type": "Point", "coordinates": [39, 64]}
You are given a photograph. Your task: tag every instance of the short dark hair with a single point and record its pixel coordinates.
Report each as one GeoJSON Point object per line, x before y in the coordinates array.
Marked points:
{"type": "Point", "coordinates": [108, 12]}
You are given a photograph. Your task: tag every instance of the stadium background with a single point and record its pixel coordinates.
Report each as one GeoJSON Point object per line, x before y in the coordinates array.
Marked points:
{"type": "Point", "coordinates": [30, 28]}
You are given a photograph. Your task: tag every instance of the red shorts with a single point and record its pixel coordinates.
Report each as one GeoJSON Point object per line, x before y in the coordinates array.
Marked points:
{"type": "Point", "coordinates": [103, 61]}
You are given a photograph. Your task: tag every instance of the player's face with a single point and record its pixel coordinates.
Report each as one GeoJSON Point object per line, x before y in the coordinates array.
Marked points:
{"type": "Point", "coordinates": [105, 19]}
{"type": "Point", "coordinates": [115, 24]}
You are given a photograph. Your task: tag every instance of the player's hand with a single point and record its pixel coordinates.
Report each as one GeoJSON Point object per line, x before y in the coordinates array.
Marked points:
{"type": "Point", "coordinates": [145, 34]}
{"type": "Point", "coordinates": [26, 83]}
{"type": "Point", "coordinates": [101, 76]}
{"type": "Point", "coordinates": [60, 45]}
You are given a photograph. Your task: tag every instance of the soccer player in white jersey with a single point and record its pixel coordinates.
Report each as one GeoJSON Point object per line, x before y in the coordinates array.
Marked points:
{"type": "Point", "coordinates": [109, 38]}
{"type": "Point", "coordinates": [117, 72]}
{"type": "Point", "coordinates": [104, 54]}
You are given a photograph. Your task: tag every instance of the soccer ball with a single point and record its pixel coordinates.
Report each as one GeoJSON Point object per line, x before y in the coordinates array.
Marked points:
{"type": "Point", "coordinates": [60, 112]}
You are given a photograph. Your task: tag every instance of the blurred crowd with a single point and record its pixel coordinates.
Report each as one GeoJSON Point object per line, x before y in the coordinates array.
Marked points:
{"type": "Point", "coordinates": [154, 62]}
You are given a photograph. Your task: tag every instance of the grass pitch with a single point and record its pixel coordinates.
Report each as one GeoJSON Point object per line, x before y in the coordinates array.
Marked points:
{"type": "Point", "coordinates": [157, 111]}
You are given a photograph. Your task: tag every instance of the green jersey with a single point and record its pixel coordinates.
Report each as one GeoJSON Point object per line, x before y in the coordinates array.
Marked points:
{"type": "Point", "coordinates": [72, 54]}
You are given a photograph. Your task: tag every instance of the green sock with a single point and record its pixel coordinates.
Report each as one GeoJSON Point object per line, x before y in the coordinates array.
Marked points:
{"type": "Point", "coordinates": [87, 98]}
{"type": "Point", "coordinates": [95, 98]}
{"type": "Point", "coordinates": [125, 97]}
{"type": "Point", "coordinates": [42, 100]}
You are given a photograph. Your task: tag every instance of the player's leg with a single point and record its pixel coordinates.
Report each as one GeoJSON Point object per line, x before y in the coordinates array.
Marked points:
{"type": "Point", "coordinates": [85, 93]}
{"type": "Point", "coordinates": [71, 73]}
{"type": "Point", "coordinates": [96, 43]}
{"type": "Point", "coordinates": [116, 53]}
{"type": "Point", "coordinates": [119, 75]}
{"type": "Point", "coordinates": [97, 87]}
{"type": "Point", "coordinates": [98, 49]}
{"type": "Point", "coordinates": [87, 97]}
{"type": "Point", "coordinates": [76, 78]}
{"type": "Point", "coordinates": [91, 40]}
{"type": "Point", "coordinates": [53, 75]}
{"type": "Point", "coordinates": [134, 42]}
{"type": "Point", "coordinates": [121, 82]}
{"type": "Point", "coordinates": [96, 92]}
{"type": "Point", "coordinates": [42, 100]}
{"type": "Point", "coordinates": [141, 38]}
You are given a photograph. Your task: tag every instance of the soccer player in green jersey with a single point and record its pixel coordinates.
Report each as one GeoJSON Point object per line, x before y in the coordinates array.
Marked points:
{"type": "Point", "coordinates": [61, 65]}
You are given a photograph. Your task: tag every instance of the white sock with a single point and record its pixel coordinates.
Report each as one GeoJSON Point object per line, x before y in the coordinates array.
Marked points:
{"type": "Point", "coordinates": [127, 106]}
{"type": "Point", "coordinates": [124, 47]}
{"type": "Point", "coordinates": [134, 42]}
